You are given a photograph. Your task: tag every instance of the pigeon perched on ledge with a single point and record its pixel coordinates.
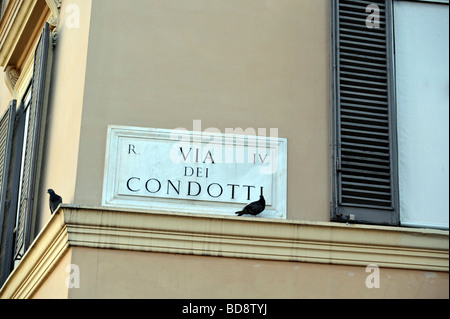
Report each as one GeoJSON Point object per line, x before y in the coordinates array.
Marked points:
{"type": "Point", "coordinates": [254, 208]}
{"type": "Point", "coordinates": [54, 200]}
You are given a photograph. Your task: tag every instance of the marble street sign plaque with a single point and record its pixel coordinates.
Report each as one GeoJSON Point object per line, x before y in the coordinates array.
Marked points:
{"type": "Point", "coordinates": [194, 172]}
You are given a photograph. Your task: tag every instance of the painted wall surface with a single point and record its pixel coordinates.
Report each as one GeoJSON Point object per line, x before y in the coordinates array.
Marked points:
{"type": "Point", "coordinates": [65, 108]}
{"type": "Point", "coordinates": [5, 96]}
{"type": "Point", "coordinates": [248, 64]}
{"type": "Point", "coordinates": [108, 273]}
{"type": "Point", "coordinates": [54, 286]}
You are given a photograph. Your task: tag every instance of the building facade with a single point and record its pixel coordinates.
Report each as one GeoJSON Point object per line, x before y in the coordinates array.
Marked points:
{"type": "Point", "coordinates": [343, 100]}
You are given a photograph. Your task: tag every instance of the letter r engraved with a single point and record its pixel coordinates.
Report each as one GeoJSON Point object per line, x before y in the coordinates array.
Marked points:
{"type": "Point", "coordinates": [131, 148]}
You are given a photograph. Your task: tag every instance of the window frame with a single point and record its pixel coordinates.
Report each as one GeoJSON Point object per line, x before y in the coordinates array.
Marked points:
{"type": "Point", "coordinates": [24, 112]}
{"type": "Point", "coordinates": [37, 93]}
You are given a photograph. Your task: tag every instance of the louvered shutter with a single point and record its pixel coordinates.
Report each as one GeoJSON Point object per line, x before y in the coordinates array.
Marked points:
{"type": "Point", "coordinates": [6, 141]}
{"type": "Point", "coordinates": [33, 133]}
{"type": "Point", "coordinates": [10, 209]}
{"type": "Point", "coordinates": [6, 137]}
{"type": "Point", "coordinates": [9, 185]}
{"type": "Point", "coordinates": [365, 178]}
{"type": "Point", "coordinates": [6, 131]}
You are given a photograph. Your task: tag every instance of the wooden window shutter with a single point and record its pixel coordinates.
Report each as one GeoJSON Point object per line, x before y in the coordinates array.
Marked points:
{"type": "Point", "coordinates": [6, 139]}
{"type": "Point", "coordinates": [6, 135]}
{"type": "Point", "coordinates": [9, 185]}
{"type": "Point", "coordinates": [363, 109]}
{"type": "Point", "coordinates": [33, 133]}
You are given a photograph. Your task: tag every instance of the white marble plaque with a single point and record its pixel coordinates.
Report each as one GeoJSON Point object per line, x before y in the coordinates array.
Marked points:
{"type": "Point", "coordinates": [193, 171]}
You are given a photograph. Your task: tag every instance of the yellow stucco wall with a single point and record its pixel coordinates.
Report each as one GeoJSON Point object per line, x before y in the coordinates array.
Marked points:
{"type": "Point", "coordinates": [60, 160]}
{"type": "Point", "coordinates": [54, 286]}
{"type": "Point", "coordinates": [249, 64]}
{"type": "Point", "coordinates": [109, 273]}
{"type": "Point", "coordinates": [5, 97]}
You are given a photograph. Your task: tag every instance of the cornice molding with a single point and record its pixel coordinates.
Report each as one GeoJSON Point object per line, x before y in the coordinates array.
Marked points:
{"type": "Point", "coordinates": [224, 236]}
{"type": "Point", "coordinates": [20, 29]}
{"type": "Point", "coordinates": [43, 254]}
{"type": "Point", "coordinates": [11, 25]}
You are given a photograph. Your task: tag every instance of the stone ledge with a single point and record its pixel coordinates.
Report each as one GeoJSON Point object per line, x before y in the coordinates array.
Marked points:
{"type": "Point", "coordinates": [237, 237]}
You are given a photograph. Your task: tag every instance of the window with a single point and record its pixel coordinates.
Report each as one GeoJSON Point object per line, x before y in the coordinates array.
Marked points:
{"type": "Point", "coordinates": [20, 158]}
{"type": "Point", "coordinates": [24, 175]}
{"type": "Point", "coordinates": [422, 64]}
{"type": "Point", "coordinates": [32, 114]}
{"type": "Point", "coordinates": [377, 131]}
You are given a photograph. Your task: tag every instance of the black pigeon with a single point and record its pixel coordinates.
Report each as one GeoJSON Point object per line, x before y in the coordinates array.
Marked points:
{"type": "Point", "coordinates": [254, 208]}
{"type": "Point", "coordinates": [54, 200]}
